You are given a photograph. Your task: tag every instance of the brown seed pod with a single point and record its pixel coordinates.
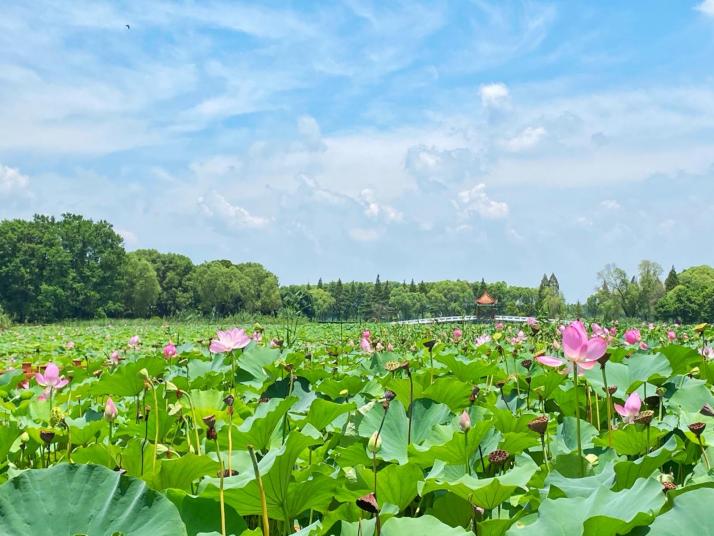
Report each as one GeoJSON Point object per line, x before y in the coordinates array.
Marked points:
{"type": "Point", "coordinates": [498, 457]}
{"type": "Point", "coordinates": [697, 428]}
{"type": "Point", "coordinates": [539, 424]}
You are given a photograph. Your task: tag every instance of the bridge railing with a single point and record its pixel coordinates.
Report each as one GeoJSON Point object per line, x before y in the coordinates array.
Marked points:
{"type": "Point", "coordinates": [462, 318]}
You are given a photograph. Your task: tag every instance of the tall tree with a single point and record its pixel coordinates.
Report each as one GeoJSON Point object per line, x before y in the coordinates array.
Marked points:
{"type": "Point", "coordinates": [672, 280]}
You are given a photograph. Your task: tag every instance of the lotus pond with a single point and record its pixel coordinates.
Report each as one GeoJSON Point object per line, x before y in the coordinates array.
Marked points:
{"type": "Point", "coordinates": [184, 429]}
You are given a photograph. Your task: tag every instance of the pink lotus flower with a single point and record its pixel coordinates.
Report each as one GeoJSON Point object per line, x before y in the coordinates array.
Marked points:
{"type": "Point", "coordinates": [69, 345]}
{"type": "Point", "coordinates": [579, 350]}
{"type": "Point", "coordinates": [643, 345]}
{"type": "Point", "coordinates": [499, 325]}
{"type": "Point", "coordinates": [650, 326]}
{"type": "Point", "coordinates": [115, 358]}
{"type": "Point", "coordinates": [274, 343]}
{"type": "Point", "coordinates": [170, 350]}
{"type": "Point", "coordinates": [257, 336]}
{"type": "Point", "coordinates": [390, 347]}
{"type": "Point", "coordinates": [600, 331]}
{"type": "Point", "coordinates": [632, 336]}
{"type": "Point", "coordinates": [365, 344]}
{"type": "Point", "coordinates": [227, 341]}
{"type": "Point", "coordinates": [110, 410]}
{"type": "Point", "coordinates": [51, 378]}
{"type": "Point", "coordinates": [482, 339]}
{"type": "Point", "coordinates": [457, 334]}
{"type": "Point", "coordinates": [134, 341]}
{"type": "Point", "coordinates": [518, 338]}
{"type": "Point", "coordinates": [671, 335]}
{"type": "Point", "coordinates": [631, 409]}
{"type": "Point", "coordinates": [531, 321]}
{"type": "Point", "coordinates": [25, 384]}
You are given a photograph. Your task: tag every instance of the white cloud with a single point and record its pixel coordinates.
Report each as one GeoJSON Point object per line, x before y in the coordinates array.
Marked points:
{"type": "Point", "coordinates": [493, 95]}
{"type": "Point", "coordinates": [610, 204]}
{"type": "Point", "coordinates": [216, 207]}
{"type": "Point", "coordinates": [707, 7]}
{"type": "Point", "coordinates": [361, 234]}
{"type": "Point", "coordinates": [528, 138]}
{"type": "Point", "coordinates": [12, 181]}
{"type": "Point", "coordinates": [374, 210]}
{"type": "Point", "coordinates": [475, 201]}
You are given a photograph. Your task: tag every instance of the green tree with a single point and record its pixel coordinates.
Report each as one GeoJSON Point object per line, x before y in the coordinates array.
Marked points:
{"type": "Point", "coordinates": [323, 303]}
{"type": "Point", "coordinates": [141, 286]}
{"type": "Point", "coordinates": [174, 274]}
{"type": "Point", "coordinates": [671, 281]}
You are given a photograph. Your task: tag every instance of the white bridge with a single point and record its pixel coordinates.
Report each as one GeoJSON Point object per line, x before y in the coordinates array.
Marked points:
{"type": "Point", "coordinates": [458, 319]}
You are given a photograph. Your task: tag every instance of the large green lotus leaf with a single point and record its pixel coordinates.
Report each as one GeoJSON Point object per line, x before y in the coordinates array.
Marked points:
{"type": "Point", "coordinates": [300, 389]}
{"type": "Point", "coordinates": [547, 382]}
{"type": "Point", "coordinates": [691, 514]}
{"type": "Point", "coordinates": [427, 415]}
{"type": "Point", "coordinates": [8, 434]}
{"type": "Point", "coordinates": [252, 362]}
{"type": "Point", "coordinates": [284, 495]}
{"type": "Point", "coordinates": [691, 394]}
{"type": "Point", "coordinates": [566, 439]}
{"type": "Point", "coordinates": [629, 471]}
{"type": "Point", "coordinates": [179, 473]}
{"type": "Point", "coordinates": [323, 412]}
{"type": "Point", "coordinates": [394, 431]}
{"type": "Point", "coordinates": [579, 487]}
{"type": "Point", "coordinates": [603, 513]}
{"type": "Point", "coordinates": [396, 484]}
{"type": "Point", "coordinates": [203, 516]}
{"type": "Point", "coordinates": [96, 453]}
{"type": "Point", "coordinates": [84, 499]}
{"type": "Point", "coordinates": [126, 379]}
{"type": "Point", "coordinates": [681, 358]}
{"type": "Point", "coordinates": [451, 509]}
{"type": "Point", "coordinates": [618, 375]}
{"type": "Point", "coordinates": [410, 526]}
{"type": "Point", "coordinates": [455, 449]}
{"type": "Point", "coordinates": [333, 387]}
{"type": "Point", "coordinates": [450, 391]}
{"type": "Point", "coordinates": [467, 371]}
{"type": "Point", "coordinates": [631, 440]}
{"type": "Point", "coordinates": [648, 368]}
{"type": "Point", "coordinates": [485, 492]}
{"type": "Point", "coordinates": [400, 386]}
{"type": "Point", "coordinates": [257, 429]}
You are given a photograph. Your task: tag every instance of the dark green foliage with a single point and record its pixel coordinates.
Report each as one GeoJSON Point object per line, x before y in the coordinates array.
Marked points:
{"type": "Point", "coordinates": [53, 269]}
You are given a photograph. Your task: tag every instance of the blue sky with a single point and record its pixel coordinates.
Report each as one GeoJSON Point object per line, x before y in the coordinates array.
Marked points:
{"type": "Point", "coordinates": [427, 140]}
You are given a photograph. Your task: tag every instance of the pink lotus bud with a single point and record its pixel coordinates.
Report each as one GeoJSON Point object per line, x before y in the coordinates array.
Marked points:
{"type": "Point", "coordinates": [465, 421]}
{"type": "Point", "coordinates": [134, 341]}
{"type": "Point", "coordinates": [671, 335]}
{"type": "Point", "coordinates": [110, 410]}
{"type": "Point", "coordinates": [457, 334]}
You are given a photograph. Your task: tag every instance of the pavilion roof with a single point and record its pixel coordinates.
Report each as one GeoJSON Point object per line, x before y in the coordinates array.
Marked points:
{"type": "Point", "coordinates": [486, 299]}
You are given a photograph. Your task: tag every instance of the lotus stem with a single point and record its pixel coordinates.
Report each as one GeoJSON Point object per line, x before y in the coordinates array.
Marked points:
{"type": "Point", "coordinates": [704, 453]}
{"type": "Point", "coordinates": [545, 453]}
{"type": "Point", "coordinates": [411, 408]}
{"type": "Point", "coordinates": [577, 420]}
{"type": "Point", "coordinates": [261, 491]}
{"type": "Point", "coordinates": [221, 498]}
{"type": "Point", "coordinates": [608, 401]}
{"type": "Point", "coordinates": [156, 422]}
{"type": "Point", "coordinates": [466, 451]}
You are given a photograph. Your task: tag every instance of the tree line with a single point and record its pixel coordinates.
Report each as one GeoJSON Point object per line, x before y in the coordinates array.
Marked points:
{"type": "Point", "coordinates": [75, 268]}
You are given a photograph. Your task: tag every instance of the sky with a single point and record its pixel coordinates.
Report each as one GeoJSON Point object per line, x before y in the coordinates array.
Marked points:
{"type": "Point", "coordinates": [432, 140]}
